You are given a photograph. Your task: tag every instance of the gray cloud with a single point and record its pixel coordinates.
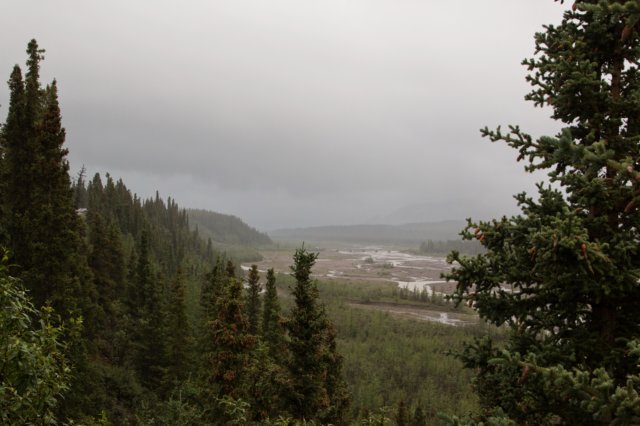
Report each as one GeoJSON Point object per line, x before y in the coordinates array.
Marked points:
{"type": "Point", "coordinates": [292, 112]}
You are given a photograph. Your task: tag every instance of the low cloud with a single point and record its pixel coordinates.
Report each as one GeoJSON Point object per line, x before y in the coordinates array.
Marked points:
{"type": "Point", "coordinates": [292, 113]}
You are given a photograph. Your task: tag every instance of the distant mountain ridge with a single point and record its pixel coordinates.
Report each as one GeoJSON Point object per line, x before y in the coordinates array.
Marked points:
{"type": "Point", "coordinates": [409, 232]}
{"type": "Point", "coordinates": [435, 212]}
{"type": "Point", "coordinates": [224, 228]}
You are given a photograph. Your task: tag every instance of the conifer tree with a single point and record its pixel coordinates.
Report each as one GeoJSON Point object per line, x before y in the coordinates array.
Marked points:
{"type": "Point", "coordinates": [80, 199]}
{"type": "Point", "coordinates": [211, 288]}
{"type": "Point", "coordinates": [150, 360]}
{"type": "Point", "coordinates": [563, 275]}
{"type": "Point", "coordinates": [13, 141]}
{"type": "Point", "coordinates": [106, 260]}
{"type": "Point", "coordinates": [232, 343]}
{"type": "Point", "coordinates": [272, 321]}
{"type": "Point", "coordinates": [253, 300]}
{"type": "Point", "coordinates": [306, 326]}
{"type": "Point", "coordinates": [335, 385]}
{"type": "Point", "coordinates": [42, 227]}
{"type": "Point", "coordinates": [178, 335]}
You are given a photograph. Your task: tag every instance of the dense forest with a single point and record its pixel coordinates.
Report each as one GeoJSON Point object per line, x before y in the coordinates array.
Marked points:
{"type": "Point", "coordinates": [119, 310]}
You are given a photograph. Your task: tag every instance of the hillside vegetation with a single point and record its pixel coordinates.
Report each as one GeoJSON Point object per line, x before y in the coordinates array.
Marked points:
{"type": "Point", "coordinates": [224, 228]}
{"type": "Point", "coordinates": [228, 234]}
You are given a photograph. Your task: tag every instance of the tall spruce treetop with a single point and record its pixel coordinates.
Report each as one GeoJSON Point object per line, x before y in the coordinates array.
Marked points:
{"type": "Point", "coordinates": [43, 231]}
{"type": "Point", "coordinates": [272, 330]}
{"type": "Point", "coordinates": [564, 274]}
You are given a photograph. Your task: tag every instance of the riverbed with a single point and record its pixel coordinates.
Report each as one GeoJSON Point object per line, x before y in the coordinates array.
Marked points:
{"type": "Point", "coordinates": [372, 263]}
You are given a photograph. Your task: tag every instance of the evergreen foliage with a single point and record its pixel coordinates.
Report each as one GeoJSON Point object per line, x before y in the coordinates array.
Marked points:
{"type": "Point", "coordinates": [564, 274]}
{"type": "Point", "coordinates": [154, 301]}
{"type": "Point", "coordinates": [305, 327]}
{"type": "Point", "coordinates": [178, 334]}
{"type": "Point", "coordinates": [254, 304]}
{"type": "Point", "coordinates": [272, 321]}
{"type": "Point", "coordinates": [334, 382]}
{"type": "Point", "coordinates": [232, 342]}
{"type": "Point", "coordinates": [42, 228]}
{"type": "Point", "coordinates": [210, 291]}
{"type": "Point", "coordinates": [107, 263]}
{"type": "Point", "coordinates": [226, 229]}
{"type": "Point", "coordinates": [150, 360]}
{"type": "Point", "coordinates": [317, 389]}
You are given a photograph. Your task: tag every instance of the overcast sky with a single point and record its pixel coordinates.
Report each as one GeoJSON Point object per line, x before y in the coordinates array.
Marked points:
{"type": "Point", "coordinates": [293, 112]}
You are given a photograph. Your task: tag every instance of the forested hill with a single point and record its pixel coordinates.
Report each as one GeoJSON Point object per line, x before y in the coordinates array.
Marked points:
{"type": "Point", "coordinates": [411, 232]}
{"type": "Point", "coordinates": [224, 228]}
{"type": "Point", "coordinates": [119, 222]}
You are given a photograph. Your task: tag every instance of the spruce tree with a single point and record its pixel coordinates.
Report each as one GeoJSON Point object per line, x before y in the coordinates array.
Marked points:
{"type": "Point", "coordinates": [178, 334]}
{"type": "Point", "coordinates": [149, 315]}
{"type": "Point", "coordinates": [272, 321]}
{"type": "Point", "coordinates": [335, 384]}
{"type": "Point", "coordinates": [268, 375]}
{"type": "Point", "coordinates": [253, 299]}
{"type": "Point", "coordinates": [106, 260]}
{"type": "Point", "coordinates": [232, 344]}
{"type": "Point", "coordinates": [42, 227]}
{"type": "Point", "coordinates": [13, 141]}
{"type": "Point", "coordinates": [80, 199]}
{"type": "Point", "coordinates": [211, 288]}
{"type": "Point", "coordinates": [563, 275]}
{"type": "Point", "coordinates": [306, 325]}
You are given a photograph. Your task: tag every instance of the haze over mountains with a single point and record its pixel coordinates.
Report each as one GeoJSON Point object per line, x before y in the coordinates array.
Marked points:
{"type": "Point", "coordinates": [372, 234]}
{"type": "Point", "coordinates": [455, 209]}
{"type": "Point", "coordinates": [412, 224]}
